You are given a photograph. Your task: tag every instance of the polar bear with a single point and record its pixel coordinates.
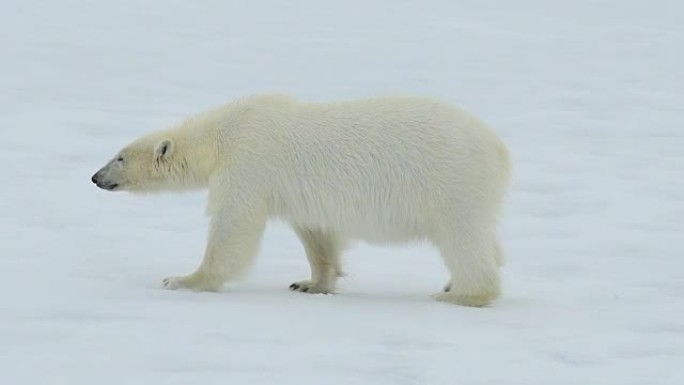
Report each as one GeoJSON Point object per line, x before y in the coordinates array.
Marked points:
{"type": "Point", "coordinates": [384, 170]}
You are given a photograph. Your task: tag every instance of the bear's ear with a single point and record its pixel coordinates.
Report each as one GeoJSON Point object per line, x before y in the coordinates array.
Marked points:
{"type": "Point", "coordinates": [164, 149]}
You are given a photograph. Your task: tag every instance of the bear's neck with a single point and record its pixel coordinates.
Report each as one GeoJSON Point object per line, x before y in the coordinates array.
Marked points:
{"type": "Point", "coordinates": [194, 159]}
{"type": "Point", "coordinates": [199, 161]}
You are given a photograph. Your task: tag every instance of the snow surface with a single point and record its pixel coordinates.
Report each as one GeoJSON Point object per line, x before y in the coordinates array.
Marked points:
{"type": "Point", "coordinates": [588, 95]}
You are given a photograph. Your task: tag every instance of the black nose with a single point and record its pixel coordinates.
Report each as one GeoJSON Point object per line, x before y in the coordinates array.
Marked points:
{"type": "Point", "coordinates": [94, 179]}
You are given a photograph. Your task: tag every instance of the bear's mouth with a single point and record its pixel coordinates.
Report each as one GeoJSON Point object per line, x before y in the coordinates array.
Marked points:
{"type": "Point", "coordinates": [108, 186]}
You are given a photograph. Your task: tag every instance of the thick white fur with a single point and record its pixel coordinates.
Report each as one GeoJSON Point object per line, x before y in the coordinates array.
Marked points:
{"type": "Point", "coordinates": [386, 170]}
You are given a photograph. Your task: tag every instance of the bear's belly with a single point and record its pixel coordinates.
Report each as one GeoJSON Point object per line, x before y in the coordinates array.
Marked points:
{"type": "Point", "coordinates": [389, 223]}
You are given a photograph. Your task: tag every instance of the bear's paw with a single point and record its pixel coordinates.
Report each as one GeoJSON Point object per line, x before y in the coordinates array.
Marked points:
{"type": "Point", "coordinates": [473, 300]}
{"type": "Point", "coordinates": [311, 287]}
{"type": "Point", "coordinates": [190, 282]}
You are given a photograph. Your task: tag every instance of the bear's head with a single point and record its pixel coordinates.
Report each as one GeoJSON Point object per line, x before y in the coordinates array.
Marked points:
{"type": "Point", "coordinates": [145, 165]}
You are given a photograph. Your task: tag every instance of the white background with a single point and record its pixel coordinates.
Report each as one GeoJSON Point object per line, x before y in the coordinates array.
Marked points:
{"type": "Point", "coordinates": [587, 94]}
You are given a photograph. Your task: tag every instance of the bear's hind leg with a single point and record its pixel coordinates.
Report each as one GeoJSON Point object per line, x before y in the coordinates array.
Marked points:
{"type": "Point", "coordinates": [470, 257]}
{"type": "Point", "coordinates": [323, 252]}
{"type": "Point", "coordinates": [498, 257]}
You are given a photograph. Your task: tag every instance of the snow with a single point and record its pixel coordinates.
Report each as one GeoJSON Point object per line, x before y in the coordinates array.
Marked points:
{"type": "Point", "coordinates": [586, 93]}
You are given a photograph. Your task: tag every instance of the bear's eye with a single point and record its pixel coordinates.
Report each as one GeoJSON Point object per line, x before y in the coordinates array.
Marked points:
{"type": "Point", "coordinates": [120, 159]}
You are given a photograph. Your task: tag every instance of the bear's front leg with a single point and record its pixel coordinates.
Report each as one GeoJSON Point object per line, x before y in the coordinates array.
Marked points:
{"type": "Point", "coordinates": [323, 252]}
{"type": "Point", "coordinates": [233, 244]}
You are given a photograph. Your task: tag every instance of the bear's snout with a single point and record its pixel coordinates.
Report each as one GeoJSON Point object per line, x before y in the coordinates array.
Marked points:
{"type": "Point", "coordinates": [103, 184]}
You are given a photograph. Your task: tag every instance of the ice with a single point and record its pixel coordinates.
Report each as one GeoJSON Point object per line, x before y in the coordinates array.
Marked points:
{"type": "Point", "coordinates": [587, 94]}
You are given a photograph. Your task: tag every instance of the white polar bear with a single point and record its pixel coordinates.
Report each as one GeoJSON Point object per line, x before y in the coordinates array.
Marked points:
{"type": "Point", "coordinates": [381, 170]}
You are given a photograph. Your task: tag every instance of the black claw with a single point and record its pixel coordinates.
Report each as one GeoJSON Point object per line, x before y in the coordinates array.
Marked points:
{"type": "Point", "coordinates": [306, 289]}
{"type": "Point", "coordinates": [294, 286]}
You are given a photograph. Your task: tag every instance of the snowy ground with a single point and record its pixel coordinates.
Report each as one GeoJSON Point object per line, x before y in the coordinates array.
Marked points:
{"type": "Point", "coordinates": [588, 95]}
